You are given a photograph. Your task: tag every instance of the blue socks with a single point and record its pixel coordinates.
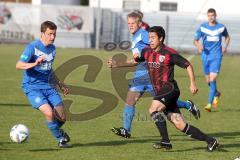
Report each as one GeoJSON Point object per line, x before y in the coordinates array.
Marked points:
{"type": "Point", "coordinates": [183, 104]}
{"type": "Point", "coordinates": [128, 115]}
{"type": "Point", "coordinates": [212, 92]}
{"type": "Point", "coordinates": [53, 127]}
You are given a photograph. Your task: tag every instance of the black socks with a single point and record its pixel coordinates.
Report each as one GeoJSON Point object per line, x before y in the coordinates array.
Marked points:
{"type": "Point", "coordinates": [161, 125]}
{"type": "Point", "coordinates": [195, 133]}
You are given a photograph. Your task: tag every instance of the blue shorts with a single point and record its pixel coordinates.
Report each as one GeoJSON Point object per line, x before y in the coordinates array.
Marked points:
{"type": "Point", "coordinates": [141, 85]}
{"type": "Point", "coordinates": [38, 97]}
{"type": "Point", "coordinates": [211, 66]}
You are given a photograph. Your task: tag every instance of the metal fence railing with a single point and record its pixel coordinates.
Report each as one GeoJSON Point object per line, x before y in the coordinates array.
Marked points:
{"type": "Point", "coordinates": [180, 28]}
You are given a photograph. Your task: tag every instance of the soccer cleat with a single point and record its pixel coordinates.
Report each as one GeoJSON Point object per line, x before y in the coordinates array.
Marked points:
{"type": "Point", "coordinates": [212, 145]}
{"type": "Point", "coordinates": [162, 145]}
{"type": "Point", "coordinates": [63, 143]}
{"type": "Point", "coordinates": [216, 99]}
{"type": "Point", "coordinates": [121, 132]}
{"type": "Point", "coordinates": [194, 109]}
{"type": "Point", "coordinates": [208, 107]}
{"type": "Point", "coordinates": [65, 135]}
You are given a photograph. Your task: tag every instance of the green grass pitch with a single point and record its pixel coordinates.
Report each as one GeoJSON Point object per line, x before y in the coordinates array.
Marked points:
{"type": "Point", "coordinates": [93, 139]}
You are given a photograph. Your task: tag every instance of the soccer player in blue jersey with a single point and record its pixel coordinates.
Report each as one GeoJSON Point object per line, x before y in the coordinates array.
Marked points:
{"type": "Point", "coordinates": [39, 82]}
{"type": "Point", "coordinates": [212, 50]}
{"type": "Point", "coordinates": [141, 81]}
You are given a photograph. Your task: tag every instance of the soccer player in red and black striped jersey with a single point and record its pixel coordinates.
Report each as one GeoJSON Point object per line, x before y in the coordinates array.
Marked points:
{"type": "Point", "coordinates": [161, 61]}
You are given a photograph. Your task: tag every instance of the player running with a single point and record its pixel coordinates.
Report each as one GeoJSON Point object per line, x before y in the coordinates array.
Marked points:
{"type": "Point", "coordinates": [36, 61]}
{"type": "Point", "coordinates": [211, 50]}
{"type": "Point", "coordinates": [141, 81]}
{"type": "Point", "coordinates": [160, 62]}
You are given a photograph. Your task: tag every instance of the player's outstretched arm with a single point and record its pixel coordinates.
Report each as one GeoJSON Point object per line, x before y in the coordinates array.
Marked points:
{"type": "Point", "coordinates": [193, 87]}
{"type": "Point", "coordinates": [111, 63]}
{"type": "Point", "coordinates": [24, 65]}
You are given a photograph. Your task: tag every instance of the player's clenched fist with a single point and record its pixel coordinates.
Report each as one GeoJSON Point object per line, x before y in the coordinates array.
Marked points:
{"type": "Point", "coordinates": [135, 55]}
{"type": "Point", "coordinates": [193, 89]}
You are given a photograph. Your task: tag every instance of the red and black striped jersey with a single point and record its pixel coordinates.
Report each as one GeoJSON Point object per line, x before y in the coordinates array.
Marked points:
{"type": "Point", "coordinates": [161, 65]}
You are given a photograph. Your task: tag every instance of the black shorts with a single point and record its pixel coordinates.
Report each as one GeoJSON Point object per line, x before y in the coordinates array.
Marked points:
{"type": "Point", "coordinates": [169, 99]}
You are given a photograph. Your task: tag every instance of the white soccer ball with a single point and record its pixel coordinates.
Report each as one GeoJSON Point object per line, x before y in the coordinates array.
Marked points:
{"type": "Point", "coordinates": [238, 158]}
{"type": "Point", "coordinates": [19, 133]}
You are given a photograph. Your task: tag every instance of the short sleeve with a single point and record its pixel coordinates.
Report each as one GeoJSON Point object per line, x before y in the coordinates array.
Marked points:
{"type": "Point", "coordinates": [27, 54]}
{"type": "Point", "coordinates": [225, 32]}
{"type": "Point", "coordinates": [179, 61]}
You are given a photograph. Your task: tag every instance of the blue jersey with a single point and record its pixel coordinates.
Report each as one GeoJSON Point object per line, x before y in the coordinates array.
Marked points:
{"type": "Point", "coordinates": [140, 40]}
{"type": "Point", "coordinates": [211, 39]}
{"type": "Point", "coordinates": [38, 76]}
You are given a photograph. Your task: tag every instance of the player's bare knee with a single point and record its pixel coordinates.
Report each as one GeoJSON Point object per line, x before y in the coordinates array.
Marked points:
{"type": "Point", "coordinates": [213, 79]}
{"type": "Point", "coordinates": [131, 101]}
{"type": "Point", "coordinates": [49, 115]}
{"type": "Point", "coordinates": [179, 124]}
{"type": "Point", "coordinates": [132, 98]}
{"type": "Point", "coordinates": [151, 110]}
{"type": "Point", "coordinates": [178, 121]}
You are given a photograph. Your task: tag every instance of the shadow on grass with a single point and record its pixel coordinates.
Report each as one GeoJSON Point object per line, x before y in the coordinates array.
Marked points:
{"type": "Point", "coordinates": [44, 150]}
{"type": "Point", "coordinates": [221, 148]}
{"type": "Point", "coordinates": [2, 143]}
{"type": "Point", "coordinates": [116, 143]}
{"type": "Point", "coordinates": [186, 76]}
{"type": "Point", "coordinates": [13, 105]}
{"type": "Point", "coordinates": [4, 149]}
{"type": "Point", "coordinates": [150, 139]}
{"type": "Point", "coordinates": [224, 135]}
{"type": "Point", "coordinates": [235, 145]}
{"type": "Point", "coordinates": [231, 110]}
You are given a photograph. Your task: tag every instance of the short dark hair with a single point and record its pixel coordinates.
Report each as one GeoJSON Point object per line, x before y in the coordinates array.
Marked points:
{"type": "Point", "coordinates": [135, 15]}
{"type": "Point", "coordinates": [48, 24]}
{"type": "Point", "coordinates": [211, 10]}
{"type": "Point", "coordinates": [159, 30]}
